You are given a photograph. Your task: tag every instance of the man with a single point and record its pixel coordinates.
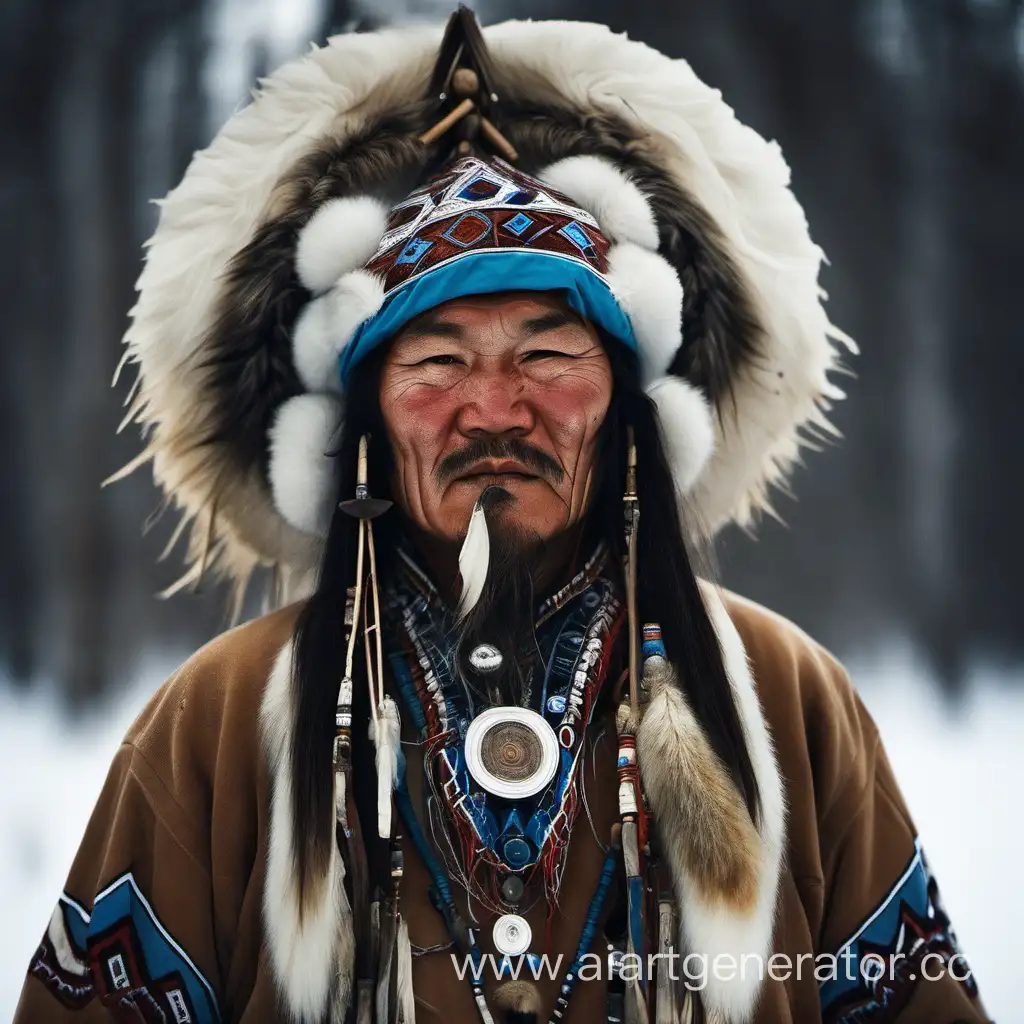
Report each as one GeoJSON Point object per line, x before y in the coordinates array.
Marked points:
{"type": "Point", "coordinates": [510, 759]}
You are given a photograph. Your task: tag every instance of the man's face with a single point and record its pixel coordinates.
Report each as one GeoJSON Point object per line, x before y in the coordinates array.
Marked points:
{"type": "Point", "coordinates": [506, 389]}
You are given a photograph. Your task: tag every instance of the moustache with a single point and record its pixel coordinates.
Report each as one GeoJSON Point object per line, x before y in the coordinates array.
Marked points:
{"type": "Point", "coordinates": [499, 448]}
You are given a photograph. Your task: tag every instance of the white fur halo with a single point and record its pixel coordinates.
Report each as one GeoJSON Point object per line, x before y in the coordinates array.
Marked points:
{"type": "Point", "coordinates": [342, 235]}
{"type": "Point", "coordinates": [326, 325]}
{"type": "Point", "coordinates": [650, 293]}
{"type": "Point", "coordinates": [604, 191]}
{"type": "Point", "coordinates": [302, 472]}
{"type": "Point", "coordinates": [687, 428]}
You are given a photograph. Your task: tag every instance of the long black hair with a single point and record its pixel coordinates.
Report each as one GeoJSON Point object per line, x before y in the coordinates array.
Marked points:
{"type": "Point", "coordinates": [668, 593]}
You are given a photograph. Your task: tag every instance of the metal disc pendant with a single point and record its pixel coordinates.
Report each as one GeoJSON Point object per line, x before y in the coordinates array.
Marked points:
{"type": "Point", "coordinates": [511, 752]}
{"type": "Point", "coordinates": [512, 935]}
{"type": "Point", "coordinates": [485, 658]}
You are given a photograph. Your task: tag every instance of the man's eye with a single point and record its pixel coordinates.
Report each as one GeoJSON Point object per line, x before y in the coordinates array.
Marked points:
{"type": "Point", "coordinates": [545, 353]}
{"type": "Point", "coordinates": [440, 360]}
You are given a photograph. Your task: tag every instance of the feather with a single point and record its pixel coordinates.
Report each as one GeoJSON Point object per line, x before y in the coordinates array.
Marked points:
{"type": "Point", "coordinates": [474, 559]}
{"type": "Point", "coordinates": [386, 734]}
{"type": "Point", "coordinates": [406, 999]}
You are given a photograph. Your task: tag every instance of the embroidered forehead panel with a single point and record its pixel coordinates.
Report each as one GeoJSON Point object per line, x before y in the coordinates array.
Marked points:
{"type": "Point", "coordinates": [477, 206]}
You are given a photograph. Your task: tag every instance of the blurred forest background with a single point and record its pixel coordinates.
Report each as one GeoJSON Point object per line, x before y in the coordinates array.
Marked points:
{"type": "Point", "coordinates": [902, 121]}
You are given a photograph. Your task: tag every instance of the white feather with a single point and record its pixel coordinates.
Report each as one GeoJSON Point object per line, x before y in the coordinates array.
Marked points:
{"type": "Point", "coordinates": [474, 559]}
{"type": "Point", "coordinates": [386, 734]}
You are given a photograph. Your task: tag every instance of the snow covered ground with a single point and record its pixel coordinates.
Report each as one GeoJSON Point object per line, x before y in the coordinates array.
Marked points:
{"type": "Point", "coordinates": [961, 769]}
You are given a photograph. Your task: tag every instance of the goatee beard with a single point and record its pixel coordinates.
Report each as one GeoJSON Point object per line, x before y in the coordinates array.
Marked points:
{"type": "Point", "coordinates": [503, 616]}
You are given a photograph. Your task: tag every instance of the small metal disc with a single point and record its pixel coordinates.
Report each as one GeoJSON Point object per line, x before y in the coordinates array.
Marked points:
{"type": "Point", "coordinates": [512, 935]}
{"type": "Point", "coordinates": [556, 705]}
{"type": "Point", "coordinates": [512, 889]}
{"type": "Point", "coordinates": [485, 658]}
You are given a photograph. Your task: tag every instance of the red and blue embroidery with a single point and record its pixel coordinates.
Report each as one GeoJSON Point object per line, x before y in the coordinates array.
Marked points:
{"type": "Point", "coordinates": [881, 965]}
{"type": "Point", "coordinates": [122, 955]}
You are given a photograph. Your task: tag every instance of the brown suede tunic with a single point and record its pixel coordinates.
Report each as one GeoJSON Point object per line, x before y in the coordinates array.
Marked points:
{"type": "Point", "coordinates": [185, 809]}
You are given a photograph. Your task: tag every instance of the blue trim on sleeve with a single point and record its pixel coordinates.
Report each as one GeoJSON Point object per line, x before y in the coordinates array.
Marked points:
{"type": "Point", "coordinates": [881, 928]}
{"type": "Point", "coordinates": [123, 901]}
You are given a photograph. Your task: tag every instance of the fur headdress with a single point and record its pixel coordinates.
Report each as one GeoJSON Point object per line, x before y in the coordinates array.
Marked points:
{"type": "Point", "coordinates": [249, 283]}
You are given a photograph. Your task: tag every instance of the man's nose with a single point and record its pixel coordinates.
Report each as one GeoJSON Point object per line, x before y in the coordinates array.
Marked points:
{"type": "Point", "coordinates": [494, 403]}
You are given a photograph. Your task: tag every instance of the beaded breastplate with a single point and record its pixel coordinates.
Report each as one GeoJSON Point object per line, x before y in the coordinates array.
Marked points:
{"type": "Point", "coordinates": [507, 775]}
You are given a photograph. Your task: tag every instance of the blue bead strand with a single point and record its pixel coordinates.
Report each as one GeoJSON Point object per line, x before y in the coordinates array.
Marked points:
{"type": "Point", "coordinates": [587, 935]}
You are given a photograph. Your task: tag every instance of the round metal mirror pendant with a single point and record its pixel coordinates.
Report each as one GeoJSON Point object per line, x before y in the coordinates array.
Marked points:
{"type": "Point", "coordinates": [511, 752]}
{"type": "Point", "coordinates": [512, 935]}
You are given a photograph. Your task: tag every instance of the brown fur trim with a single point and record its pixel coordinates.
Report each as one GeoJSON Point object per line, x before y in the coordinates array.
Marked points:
{"type": "Point", "coordinates": [702, 818]}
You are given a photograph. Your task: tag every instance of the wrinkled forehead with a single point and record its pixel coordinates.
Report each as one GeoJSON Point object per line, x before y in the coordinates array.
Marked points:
{"type": "Point", "coordinates": [504, 319]}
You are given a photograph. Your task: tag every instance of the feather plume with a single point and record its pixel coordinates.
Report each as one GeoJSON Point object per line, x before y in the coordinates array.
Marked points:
{"type": "Point", "coordinates": [474, 559]}
{"type": "Point", "coordinates": [386, 735]}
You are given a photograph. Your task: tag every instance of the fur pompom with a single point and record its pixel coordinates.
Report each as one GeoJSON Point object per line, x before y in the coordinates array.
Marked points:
{"type": "Point", "coordinates": [686, 427]}
{"type": "Point", "coordinates": [327, 325]}
{"type": "Point", "coordinates": [474, 560]}
{"type": "Point", "coordinates": [341, 236]}
{"type": "Point", "coordinates": [602, 189]}
{"type": "Point", "coordinates": [302, 472]}
{"type": "Point", "coordinates": [651, 294]}
{"type": "Point", "coordinates": [386, 735]}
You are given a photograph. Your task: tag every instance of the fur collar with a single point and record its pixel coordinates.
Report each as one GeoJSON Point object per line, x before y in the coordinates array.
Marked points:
{"type": "Point", "coordinates": [725, 872]}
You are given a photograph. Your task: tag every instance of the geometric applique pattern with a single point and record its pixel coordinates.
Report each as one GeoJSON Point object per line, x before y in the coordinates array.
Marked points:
{"type": "Point", "coordinates": [122, 955]}
{"type": "Point", "coordinates": [909, 924]}
{"type": "Point", "coordinates": [61, 961]}
{"type": "Point", "coordinates": [476, 205]}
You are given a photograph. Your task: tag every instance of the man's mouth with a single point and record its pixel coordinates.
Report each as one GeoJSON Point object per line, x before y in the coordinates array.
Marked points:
{"type": "Point", "coordinates": [504, 469]}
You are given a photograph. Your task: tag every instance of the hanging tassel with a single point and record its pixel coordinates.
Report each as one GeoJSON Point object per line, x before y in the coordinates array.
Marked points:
{"type": "Point", "coordinates": [386, 735]}
{"type": "Point", "coordinates": [406, 999]}
{"type": "Point", "coordinates": [474, 560]}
